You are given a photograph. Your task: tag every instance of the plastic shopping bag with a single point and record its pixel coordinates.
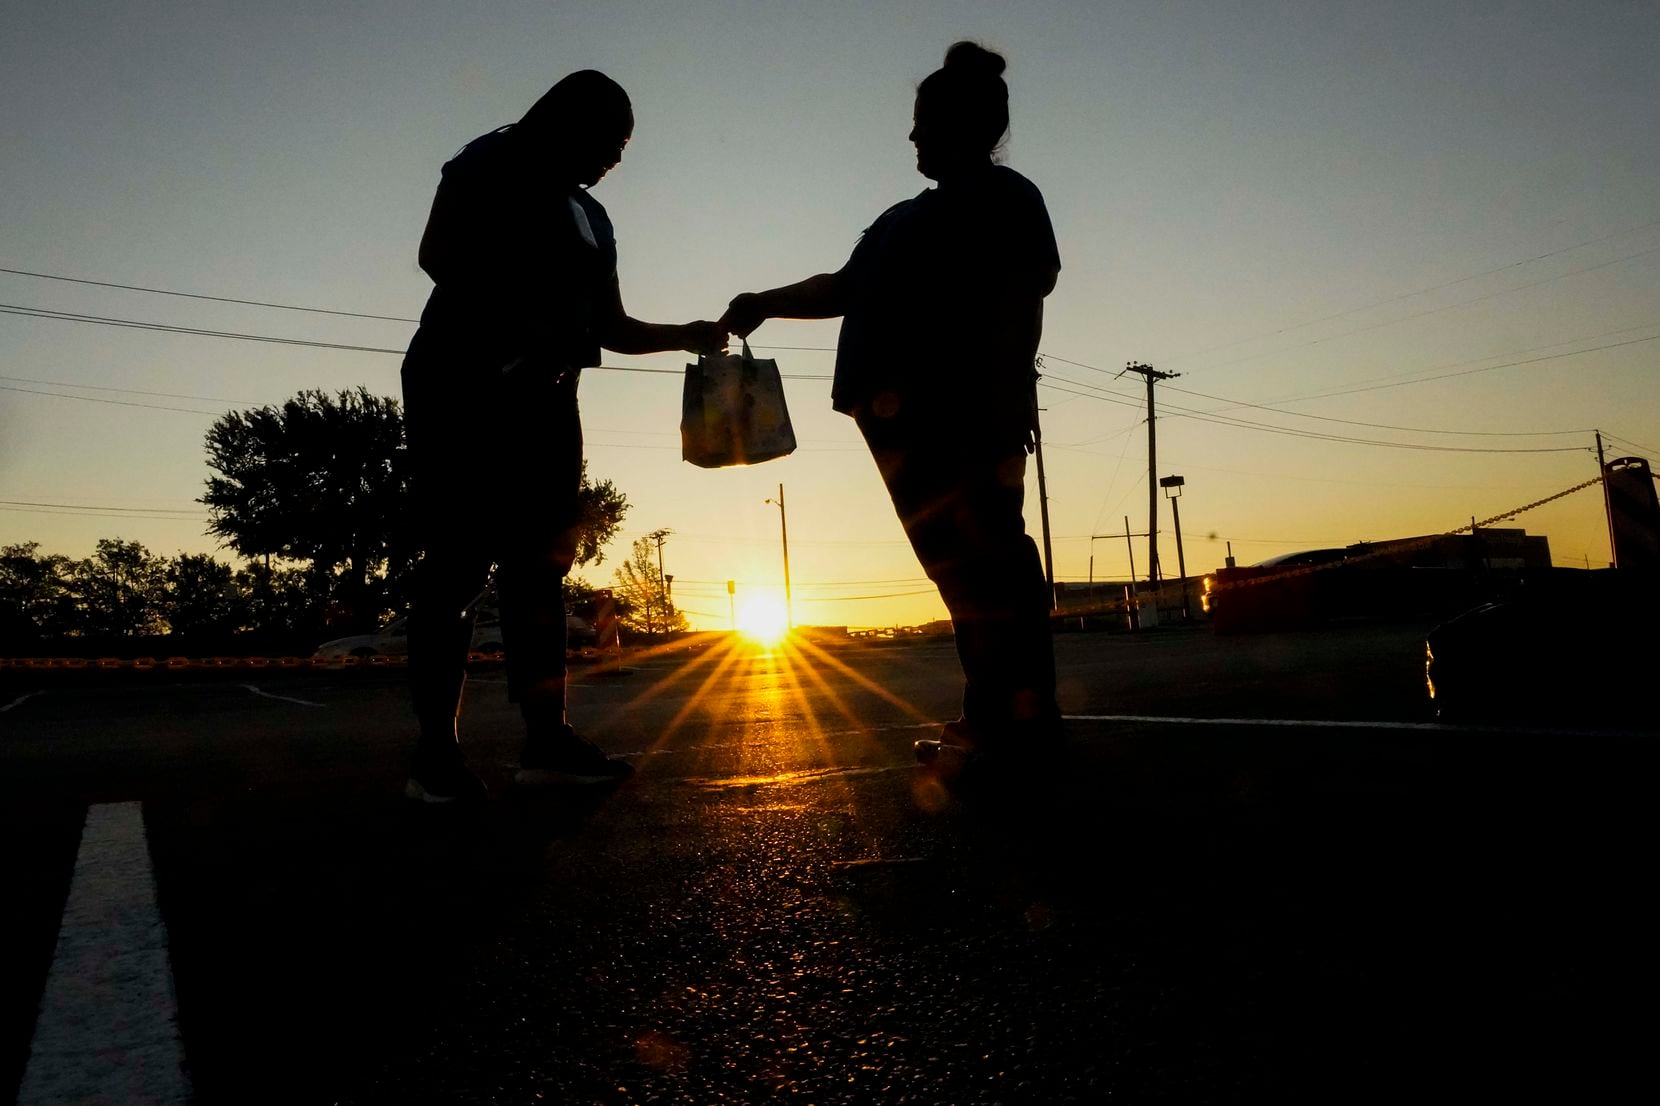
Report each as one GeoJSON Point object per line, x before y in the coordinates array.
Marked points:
{"type": "Point", "coordinates": [732, 412]}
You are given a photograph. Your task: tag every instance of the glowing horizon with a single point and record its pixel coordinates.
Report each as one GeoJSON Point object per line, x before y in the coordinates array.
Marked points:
{"type": "Point", "coordinates": [1412, 217]}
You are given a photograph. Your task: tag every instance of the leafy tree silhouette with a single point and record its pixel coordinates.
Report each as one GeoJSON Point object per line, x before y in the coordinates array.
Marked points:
{"type": "Point", "coordinates": [35, 600]}
{"type": "Point", "coordinates": [641, 604]}
{"type": "Point", "coordinates": [121, 589]}
{"type": "Point", "coordinates": [317, 480]}
{"type": "Point", "coordinates": [204, 596]}
{"type": "Point", "coordinates": [323, 480]}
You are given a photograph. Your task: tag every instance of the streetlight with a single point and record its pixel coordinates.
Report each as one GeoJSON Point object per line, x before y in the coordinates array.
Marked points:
{"type": "Point", "coordinates": [784, 531]}
{"type": "Point", "coordinates": [1172, 486]}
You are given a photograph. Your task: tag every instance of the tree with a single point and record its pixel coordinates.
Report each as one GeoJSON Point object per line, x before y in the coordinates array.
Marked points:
{"type": "Point", "coordinates": [35, 600]}
{"type": "Point", "coordinates": [641, 604]}
{"type": "Point", "coordinates": [121, 589]}
{"type": "Point", "coordinates": [203, 596]}
{"type": "Point", "coordinates": [317, 480]}
{"type": "Point", "coordinates": [323, 480]}
{"type": "Point", "coordinates": [600, 511]}
{"type": "Point", "coordinates": [282, 600]}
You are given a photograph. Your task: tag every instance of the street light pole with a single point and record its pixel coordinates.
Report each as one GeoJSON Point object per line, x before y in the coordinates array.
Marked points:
{"type": "Point", "coordinates": [1172, 486]}
{"type": "Point", "coordinates": [784, 532]}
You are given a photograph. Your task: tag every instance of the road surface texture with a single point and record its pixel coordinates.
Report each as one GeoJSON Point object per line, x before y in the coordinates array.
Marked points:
{"type": "Point", "coordinates": [1206, 902]}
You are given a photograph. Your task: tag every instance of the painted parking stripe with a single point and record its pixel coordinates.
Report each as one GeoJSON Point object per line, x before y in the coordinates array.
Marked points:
{"type": "Point", "coordinates": [1351, 724]}
{"type": "Point", "coordinates": [20, 700]}
{"type": "Point", "coordinates": [107, 1028]}
{"type": "Point", "coordinates": [283, 698]}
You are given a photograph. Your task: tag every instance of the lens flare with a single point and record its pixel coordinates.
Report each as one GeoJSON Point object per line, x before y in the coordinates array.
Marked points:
{"type": "Point", "coordinates": [764, 621]}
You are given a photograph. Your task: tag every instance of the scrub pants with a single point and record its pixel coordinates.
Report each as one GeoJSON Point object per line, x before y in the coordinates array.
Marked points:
{"type": "Point", "coordinates": [495, 477]}
{"type": "Point", "coordinates": [959, 498]}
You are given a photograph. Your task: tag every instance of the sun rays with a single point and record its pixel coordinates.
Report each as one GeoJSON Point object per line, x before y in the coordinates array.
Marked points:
{"type": "Point", "coordinates": [807, 695]}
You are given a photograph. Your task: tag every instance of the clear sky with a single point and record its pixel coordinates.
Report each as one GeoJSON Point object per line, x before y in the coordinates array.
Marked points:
{"type": "Point", "coordinates": [1280, 201]}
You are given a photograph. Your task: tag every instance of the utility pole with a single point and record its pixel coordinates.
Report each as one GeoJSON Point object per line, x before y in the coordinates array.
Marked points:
{"type": "Point", "coordinates": [1043, 513]}
{"type": "Point", "coordinates": [662, 583]}
{"type": "Point", "coordinates": [1152, 376]}
{"type": "Point", "coordinates": [1043, 485]}
{"type": "Point", "coordinates": [1129, 592]}
{"type": "Point", "coordinates": [1607, 503]}
{"type": "Point", "coordinates": [784, 532]}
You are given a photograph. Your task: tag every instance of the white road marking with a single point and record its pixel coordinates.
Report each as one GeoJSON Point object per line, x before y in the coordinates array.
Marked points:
{"type": "Point", "coordinates": [19, 700]}
{"type": "Point", "coordinates": [1298, 723]}
{"type": "Point", "coordinates": [1349, 724]}
{"type": "Point", "coordinates": [107, 1027]}
{"type": "Point", "coordinates": [283, 698]}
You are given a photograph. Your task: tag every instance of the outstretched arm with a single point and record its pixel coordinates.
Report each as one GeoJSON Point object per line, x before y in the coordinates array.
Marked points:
{"type": "Point", "coordinates": [818, 297]}
{"type": "Point", "coordinates": [620, 332]}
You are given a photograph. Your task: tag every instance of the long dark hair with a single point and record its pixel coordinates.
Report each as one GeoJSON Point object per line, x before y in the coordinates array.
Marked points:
{"type": "Point", "coordinates": [586, 100]}
{"type": "Point", "coordinates": [968, 98]}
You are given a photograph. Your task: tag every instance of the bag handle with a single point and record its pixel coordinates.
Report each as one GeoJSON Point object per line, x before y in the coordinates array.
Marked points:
{"type": "Point", "coordinates": [703, 357]}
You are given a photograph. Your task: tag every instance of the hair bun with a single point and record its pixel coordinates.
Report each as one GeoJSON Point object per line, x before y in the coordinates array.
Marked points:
{"type": "Point", "coordinates": [973, 59]}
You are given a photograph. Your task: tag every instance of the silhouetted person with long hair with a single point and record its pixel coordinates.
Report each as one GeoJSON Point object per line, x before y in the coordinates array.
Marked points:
{"type": "Point", "coordinates": [524, 265]}
{"type": "Point", "coordinates": [942, 305]}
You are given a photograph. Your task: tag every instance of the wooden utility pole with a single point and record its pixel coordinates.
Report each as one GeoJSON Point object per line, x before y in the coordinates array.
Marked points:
{"type": "Point", "coordinates": [1152, 376]}
{"type": "Point", "coordinates": [1043, 484]}
{"type": "Point", "coordinates": [1607, 504]}
{"type": "Point", "coordinates": [1043, 511]}
{"type": "Point", "coordinates": [662, 584]}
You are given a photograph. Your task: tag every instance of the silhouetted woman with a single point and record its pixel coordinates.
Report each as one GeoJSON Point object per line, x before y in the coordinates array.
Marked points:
{"type": "Point", "coordinates": [524, 265]}
{"type": "Point", "coordinates": [942, 302]}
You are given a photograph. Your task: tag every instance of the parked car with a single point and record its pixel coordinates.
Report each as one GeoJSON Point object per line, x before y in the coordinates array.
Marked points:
{"type": "Point", "coordinates": [1570, 649]}
{"type": "Point", "coordinates": [392, 639]}
{"type": "Point", "coordinates": [1283, 601]}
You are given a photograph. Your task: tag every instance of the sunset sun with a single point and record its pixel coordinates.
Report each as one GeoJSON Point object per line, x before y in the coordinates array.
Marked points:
{"type": "Point", "coordinates": [764, 621]}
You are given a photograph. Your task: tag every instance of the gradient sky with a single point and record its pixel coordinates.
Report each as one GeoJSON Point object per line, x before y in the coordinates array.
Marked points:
{"type": "Point", "coordinates": [1276, 200]}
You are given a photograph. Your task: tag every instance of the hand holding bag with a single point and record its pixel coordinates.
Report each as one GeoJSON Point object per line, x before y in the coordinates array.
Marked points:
{"type": "Point", "coordinates": [732, 412]}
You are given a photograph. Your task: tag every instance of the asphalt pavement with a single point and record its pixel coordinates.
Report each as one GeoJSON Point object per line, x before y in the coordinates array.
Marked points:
{"type": "Point", "coordinates": [1217, 897]}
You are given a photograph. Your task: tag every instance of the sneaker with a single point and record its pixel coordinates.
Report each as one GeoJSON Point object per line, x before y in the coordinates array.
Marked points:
{"type": "Point", "coordinates": [954, 745]}
{"type": "Point", "coordinates": [569, 760]}
{"type": "Point", "coordinates": [1033, 750]}
{"type": "Point", "coordinates": [444, 780]}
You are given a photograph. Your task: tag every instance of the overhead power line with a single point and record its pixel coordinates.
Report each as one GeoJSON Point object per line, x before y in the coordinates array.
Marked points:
{"type": "Point", "coordinates": [1251, 424]}
{"type": "Point", "coordinates": [161, 511]}
{"type": "Point", "coordinates": [112, 402]}
{"type": "Point", "coordinates": [1444, 307]}
{"type": "Point", "coordinates": [201, 296]}
{"type": "Point", "coordinates": [1485, 368]}
{"type": "Point", "coordinates": [1384, 425]}
{"type": "Point", "coordinates": [1376, 425]}
{"type": "Point", "coordinates": [286, 306]}
{"type": "Point", "coordinates": [127, 391]}
{"type": "Point", "coordinates": [1094, 391]}
{"type": "Point", "coordinates": [1650, 450]}
{"type": "Point", "coordinates": [99, 514]}
{"type": "Point", "coordinates": [1418, 292]}
{"type": "Point", "coordinates": [169, 328]}
{"type": "Point", "coordinates": [1268, 428]}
